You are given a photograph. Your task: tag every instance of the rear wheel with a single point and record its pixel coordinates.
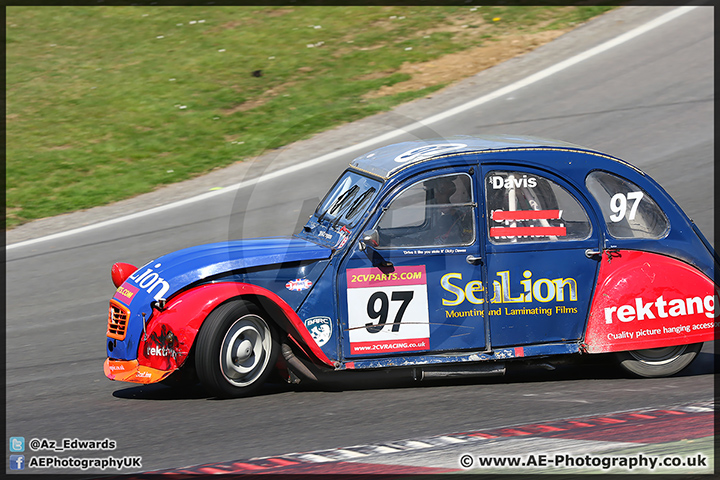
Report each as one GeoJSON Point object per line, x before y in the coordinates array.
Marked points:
{"type": "Point", "coordinates": [658, 362]}
{"type": "Point", "coordinates": [236, 350]}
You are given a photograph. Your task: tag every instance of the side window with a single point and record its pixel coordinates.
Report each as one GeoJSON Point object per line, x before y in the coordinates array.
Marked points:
{"type": "Point", "coordinates": [523, 207]}
{"type": "Point", "coordinates": [435, 212]}
{"type": "Point", "coordinates": [629, 212]}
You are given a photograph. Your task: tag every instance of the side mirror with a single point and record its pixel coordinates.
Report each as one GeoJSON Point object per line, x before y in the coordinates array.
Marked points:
{"type": "Point", "coordinates": [372, 238]}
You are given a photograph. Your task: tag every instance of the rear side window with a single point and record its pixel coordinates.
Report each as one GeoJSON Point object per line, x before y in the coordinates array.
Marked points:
{"type": "Point", "coordinates": [524, 207]}
{"type": "Point", "coordinates": [628, 210]}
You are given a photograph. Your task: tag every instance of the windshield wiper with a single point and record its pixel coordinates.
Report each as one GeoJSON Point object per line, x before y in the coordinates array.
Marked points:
{"type": "Point", "coordinates": [339, 202]}
{"type": "Point", "coordinates": [359, 203]}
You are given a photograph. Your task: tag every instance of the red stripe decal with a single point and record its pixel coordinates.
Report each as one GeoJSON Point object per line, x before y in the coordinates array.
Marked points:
{"type": "Point", "coordinates": [638, 415]}
{"type": "Point", "coordinates": [610, 420]}
{"type": "Point", "coordinates": [582, 424]}
{"type": "Point", "coordinates": [527, 231]}
{"type": "Point", "coordinates": [283, 462]}
{"type": "Point", "coordinates": [481, 435]}
{"type": "Point", "coordinates": [511, 432]}
{"type": "Point", "coordinates": [548, 428]}
{"type": "Point", "coordinates": [500, 215]}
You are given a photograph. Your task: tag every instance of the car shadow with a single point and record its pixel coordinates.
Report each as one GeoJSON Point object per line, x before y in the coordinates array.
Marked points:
{"type": "Point", "coordinates": [160, 392]}
{"type": "Point", "coordinates": [575, 368]}
{"type": "Point", "coordinates": [587, 367]}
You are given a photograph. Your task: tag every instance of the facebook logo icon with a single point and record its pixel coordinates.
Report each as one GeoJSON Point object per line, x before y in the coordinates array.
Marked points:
{"type": "Point", "coordinates": [17, 462]}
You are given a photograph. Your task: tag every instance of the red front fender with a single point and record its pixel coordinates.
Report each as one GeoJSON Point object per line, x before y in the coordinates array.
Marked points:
{"type": "Point", "coordinates": [171, 332]}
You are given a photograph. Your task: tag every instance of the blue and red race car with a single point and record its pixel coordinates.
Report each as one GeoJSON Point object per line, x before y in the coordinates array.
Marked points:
{"type": "Point", "coordinates": [446, 257]}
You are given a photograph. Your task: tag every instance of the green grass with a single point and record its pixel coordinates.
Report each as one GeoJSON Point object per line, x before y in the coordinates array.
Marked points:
{"type": "Point", "coordinates": [104, 103]}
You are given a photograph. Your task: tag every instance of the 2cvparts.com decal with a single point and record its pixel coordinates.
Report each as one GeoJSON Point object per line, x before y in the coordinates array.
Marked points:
{"type": "Point", "coordinates": [125, 293]}
{"type": "Point", "coordinates": [378, 306]}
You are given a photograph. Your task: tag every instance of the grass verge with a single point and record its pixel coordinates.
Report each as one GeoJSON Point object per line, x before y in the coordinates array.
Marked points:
{"type": "Point", "coordinates": [105, 103]}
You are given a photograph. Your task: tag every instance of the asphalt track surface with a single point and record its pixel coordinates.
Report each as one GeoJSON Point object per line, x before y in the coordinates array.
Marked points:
{"type": "Point", "coordinates": [648, 101]}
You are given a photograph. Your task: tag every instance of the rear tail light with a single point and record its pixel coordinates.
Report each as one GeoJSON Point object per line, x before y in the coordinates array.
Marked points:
{"type": "Point", "coordinates": [120, 272]}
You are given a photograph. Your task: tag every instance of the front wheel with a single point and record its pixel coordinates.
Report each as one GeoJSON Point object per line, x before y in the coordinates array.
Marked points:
{"type": "Point", "coordinates": [236, 350]}
{"type": "Point", "coordinates": [658, 362]}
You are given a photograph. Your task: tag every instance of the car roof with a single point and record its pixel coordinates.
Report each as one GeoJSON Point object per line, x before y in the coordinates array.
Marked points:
{"type": "Point", "coordinates": [388, 161]}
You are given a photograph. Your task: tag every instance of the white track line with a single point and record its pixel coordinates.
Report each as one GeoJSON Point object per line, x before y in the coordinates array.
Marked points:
{"type": "Point", "coordinates": [536, 77]}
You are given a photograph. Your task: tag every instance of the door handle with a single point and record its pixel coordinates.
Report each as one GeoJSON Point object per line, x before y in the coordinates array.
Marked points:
{"type": "Point", "coordinates": [589, 253]}
{"type": "Point", "coordinates": [473, 260]}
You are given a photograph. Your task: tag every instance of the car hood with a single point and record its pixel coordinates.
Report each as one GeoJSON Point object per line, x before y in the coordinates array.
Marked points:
{"type": "Point", "coordinates": [165, 275]}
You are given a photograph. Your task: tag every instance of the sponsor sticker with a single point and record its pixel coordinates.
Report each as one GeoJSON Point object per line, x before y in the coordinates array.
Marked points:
{"type": "Point", "coordinates": [533, 231]}
{"type": "Point", "coordinates": [320, 329]}
{"type": "Point", "coordinates": [125, 293]}
{"type": "Point", "coordinates": [388, 310]}
{"type": "Point", "coordinates": [117, 368]}
{"type": "Point", "coordinates": [150, 281]}
{"type": "Point", "coordinates": [298, 284]}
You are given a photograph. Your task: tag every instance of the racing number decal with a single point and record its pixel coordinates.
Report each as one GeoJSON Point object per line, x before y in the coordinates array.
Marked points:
{"type": "Point", "coordinates": [619, 204]}
{"type": "Point", "coordinates": [405, 297]}
{"type": "Point", "coordinates": [388, 312]}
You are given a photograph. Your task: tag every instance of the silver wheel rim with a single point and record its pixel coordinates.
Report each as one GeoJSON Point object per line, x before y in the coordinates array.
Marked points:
{"type": "Point", "coordinates": [245, 350]}
{"type": "Point", "coordinates": [658, 356]}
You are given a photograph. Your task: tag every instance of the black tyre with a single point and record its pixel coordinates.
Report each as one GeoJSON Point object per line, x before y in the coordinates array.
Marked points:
{"type": "Point", "coordinates": [236, 350]}
{"type": "Point", "coordinates": [658, 362]}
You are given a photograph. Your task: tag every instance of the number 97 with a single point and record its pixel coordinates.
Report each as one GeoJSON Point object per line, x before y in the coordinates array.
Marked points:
{"type": "Point", "coordinates": [619, 205]}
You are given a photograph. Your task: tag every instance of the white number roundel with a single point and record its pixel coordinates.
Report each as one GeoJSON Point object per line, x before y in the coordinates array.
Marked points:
{"type": "Point", "coordinates": [427, 151]}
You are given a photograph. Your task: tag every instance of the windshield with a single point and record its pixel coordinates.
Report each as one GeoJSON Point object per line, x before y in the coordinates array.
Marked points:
{"type": "Point", "coordinates": [347, 200]}
{"type": "Point", "coordinates": [342, 209]}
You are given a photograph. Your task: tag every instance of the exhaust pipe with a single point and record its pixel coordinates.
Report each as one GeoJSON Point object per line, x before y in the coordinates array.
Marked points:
{"type": "Point", "coordinates": [453, 371]}
{"type": "Point", "coordinates": [307, 371]}
{"type": "Point", "coordinates": [296, 364]}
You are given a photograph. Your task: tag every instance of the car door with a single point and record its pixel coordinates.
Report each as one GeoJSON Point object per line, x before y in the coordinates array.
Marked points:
{"type": "Point", "coordinates": [414, 281]}
{"type": "Point", "coordinates": [541, 252]}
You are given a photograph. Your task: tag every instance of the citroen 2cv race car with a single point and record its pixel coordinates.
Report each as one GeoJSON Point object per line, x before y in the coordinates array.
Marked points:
{"type": "Point", "coordinates": [445, 257]}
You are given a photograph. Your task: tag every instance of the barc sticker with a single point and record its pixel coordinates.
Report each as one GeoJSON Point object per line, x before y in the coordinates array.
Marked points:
{"type": "Point", "coordinates": [320, 329]}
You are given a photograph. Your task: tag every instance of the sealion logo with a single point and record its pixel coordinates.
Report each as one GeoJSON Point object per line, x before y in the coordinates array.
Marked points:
{"type": "Point", "coordinates": [320, 328]}
{"type": "Point", "coordinates": [427, 151]}
{"type": "Point", "coordinates": [149, 280]}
